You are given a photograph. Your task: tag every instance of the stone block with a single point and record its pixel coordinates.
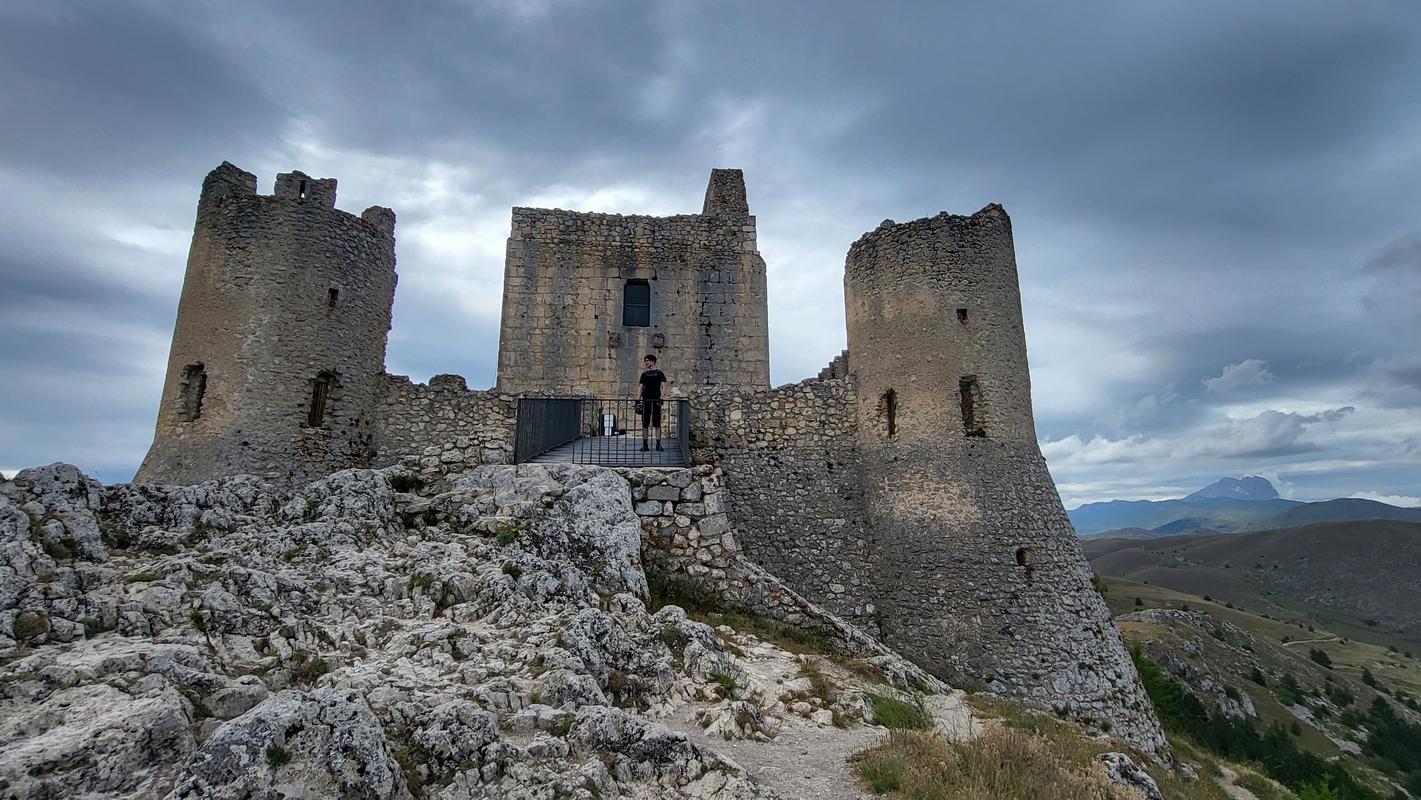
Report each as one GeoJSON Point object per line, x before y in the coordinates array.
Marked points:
{"type": "Point", "coordinates": [714, 525]}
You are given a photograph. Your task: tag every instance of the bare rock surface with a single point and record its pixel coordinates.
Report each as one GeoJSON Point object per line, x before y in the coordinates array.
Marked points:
{"type": "Point", "coordinates": [355, 639]}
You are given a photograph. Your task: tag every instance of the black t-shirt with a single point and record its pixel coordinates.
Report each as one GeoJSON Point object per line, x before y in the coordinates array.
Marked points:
{"type": "Point", "coordinates": [651, 381]}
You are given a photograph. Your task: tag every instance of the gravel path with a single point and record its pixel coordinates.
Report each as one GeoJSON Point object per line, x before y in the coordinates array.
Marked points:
{"type": "Point", "coordinates": [804, 762]}
{"type": "Point", "coordinates": [1233, 790]}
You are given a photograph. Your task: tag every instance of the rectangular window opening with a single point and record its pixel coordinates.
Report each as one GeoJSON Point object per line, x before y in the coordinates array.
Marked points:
{"type": "Point", "coordinates": [888, 412]}
{"type": "Point", "coordinates": [332, 297]}
{"type": "Point", "coordinates": [320, 399]}
{"type": "Point", "coordinates": [971, 398]}
{"type": "Point", "coordinates": [302, 192]}
{"type": "Point", "coordinates": [962, 315]}
{"type": "Point", "coordinates": [636, 304]}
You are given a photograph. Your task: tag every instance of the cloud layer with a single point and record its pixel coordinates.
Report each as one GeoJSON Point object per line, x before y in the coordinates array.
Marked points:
{"type": "Point", "coordinates": [1215, 204]}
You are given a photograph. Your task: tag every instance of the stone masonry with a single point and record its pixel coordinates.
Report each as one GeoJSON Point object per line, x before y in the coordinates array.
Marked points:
{"type": "Point", "coordinates": [279, 349]}
{"type": "Point", "coordinates": [564, 320]}
{"type": "Point", "coordinates": [901, 490]}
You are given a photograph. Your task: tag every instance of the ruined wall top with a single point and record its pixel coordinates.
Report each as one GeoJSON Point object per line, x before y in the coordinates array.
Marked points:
{"type": "Point", "coordinates": [725, 194]}
{"type": "Point", "coordinates": [231, 181]}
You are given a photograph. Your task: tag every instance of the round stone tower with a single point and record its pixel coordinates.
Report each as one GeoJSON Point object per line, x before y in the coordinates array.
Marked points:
{"type": "Point", "coordinates": [279, 347]}
{"type": "Point", "coordinates": [980, 576]}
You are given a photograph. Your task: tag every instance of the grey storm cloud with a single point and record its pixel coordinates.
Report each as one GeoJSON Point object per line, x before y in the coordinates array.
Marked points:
{"type": "Point", "coordinates": [1205, 195]}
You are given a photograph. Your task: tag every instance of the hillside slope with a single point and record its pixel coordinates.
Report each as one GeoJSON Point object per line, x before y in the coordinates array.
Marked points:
{"type": "Point", "coordinates": [1368, 570]}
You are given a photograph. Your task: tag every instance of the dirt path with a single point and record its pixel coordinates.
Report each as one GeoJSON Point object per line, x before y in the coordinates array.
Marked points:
{"type": "Point", "coordinates": [804, 762]}
{"type": "Point", "coordinates": [1312, 641]}
{"type": "Point", "coordinates": [1233, 790]}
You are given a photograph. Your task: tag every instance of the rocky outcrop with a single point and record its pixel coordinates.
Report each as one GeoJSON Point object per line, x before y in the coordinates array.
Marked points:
{"type": "Point", "coordinates": [356, 639]}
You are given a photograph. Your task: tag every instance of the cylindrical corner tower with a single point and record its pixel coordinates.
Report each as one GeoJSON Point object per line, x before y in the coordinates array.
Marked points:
{"type": "Point", "coordinates": [279, 345]}
{"type": "Point", "coordinates": [981, 578]}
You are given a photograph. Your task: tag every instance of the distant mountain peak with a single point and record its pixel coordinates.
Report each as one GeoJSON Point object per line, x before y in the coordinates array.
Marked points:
{"type": "Point", "coordinates": [1249, 487]}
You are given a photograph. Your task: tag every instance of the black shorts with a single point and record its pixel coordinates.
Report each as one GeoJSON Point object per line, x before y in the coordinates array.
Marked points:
{"type": "Point", "coordinates": [650, 411]}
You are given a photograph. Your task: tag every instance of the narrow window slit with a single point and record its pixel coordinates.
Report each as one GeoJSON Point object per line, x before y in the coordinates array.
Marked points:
{"type": "Point", "coordinates": [191, 391]}
{"type": "Point", "coordinates": [888, 412]}
{"type": "Point", "coordinates": [320, 399]}
{"type": "Point", "coordinates": [332, 297]}
{"type": "Point", "coordinates": [962, 315]}
{"type": "Point", "coordinates": [970, 395]}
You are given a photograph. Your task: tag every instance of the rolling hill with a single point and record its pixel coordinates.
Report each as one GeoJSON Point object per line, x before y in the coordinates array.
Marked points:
{"type": "Point", "coordinates": [1360, 576]}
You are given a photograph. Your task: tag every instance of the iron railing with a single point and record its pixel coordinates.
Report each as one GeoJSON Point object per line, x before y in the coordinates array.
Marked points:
{"type": "Point", "coordinates": [610, 432]}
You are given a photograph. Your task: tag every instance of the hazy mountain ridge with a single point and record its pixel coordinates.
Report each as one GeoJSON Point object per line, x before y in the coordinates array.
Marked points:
{"type": "Point", "coordinates": [1249, 487]}
{"type": "Point", "coordinates": [1228, 505]}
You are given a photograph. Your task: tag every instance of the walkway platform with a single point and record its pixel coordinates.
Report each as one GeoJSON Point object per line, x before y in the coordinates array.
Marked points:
{"type": "Point", "coordinates": [613, 451]}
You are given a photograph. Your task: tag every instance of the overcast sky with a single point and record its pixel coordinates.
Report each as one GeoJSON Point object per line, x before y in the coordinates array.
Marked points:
{"type": "Point", "coordinates": [1217, 206]}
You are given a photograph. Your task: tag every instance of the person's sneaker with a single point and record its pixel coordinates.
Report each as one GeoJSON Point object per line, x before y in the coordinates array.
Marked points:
{"type": "Point", "coordinates": [644, 448]}
{"type": "Point", "coordinates": [658, 444]}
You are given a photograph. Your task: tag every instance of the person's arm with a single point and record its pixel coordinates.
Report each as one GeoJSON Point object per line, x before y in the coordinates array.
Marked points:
{"type": "Point", "coordinates": [637, 395]}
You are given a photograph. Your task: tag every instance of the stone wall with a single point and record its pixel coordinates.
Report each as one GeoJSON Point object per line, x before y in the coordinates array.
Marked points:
{"type": "Point", "coordinates": [687, 535]}
{"type": "Point", "coordinates": [563, 290]}
{"type": "Point", "coordinates": [282, 292]}
{"type": "Point", "coordinates": [790, 458]}
{"type": "Point", "coordinates": [443, 427]}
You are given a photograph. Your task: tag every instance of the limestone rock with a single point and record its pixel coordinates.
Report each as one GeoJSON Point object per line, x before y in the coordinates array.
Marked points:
{"type": "Point", "coordinates": [1124, 772]}
{"type": "Point", "coordinates": [327, 742]}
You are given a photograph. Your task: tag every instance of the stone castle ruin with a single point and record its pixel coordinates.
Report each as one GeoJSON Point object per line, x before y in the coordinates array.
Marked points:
{"type": "Point", "coordinates": [902, 489]}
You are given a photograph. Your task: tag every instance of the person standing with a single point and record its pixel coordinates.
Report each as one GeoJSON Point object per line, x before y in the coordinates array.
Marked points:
{"type": "Point", "coordinates": [648, 393]}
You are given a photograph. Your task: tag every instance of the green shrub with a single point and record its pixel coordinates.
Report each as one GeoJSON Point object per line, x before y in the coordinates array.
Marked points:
{"type": "Point", "coordinates": [29, 624]}
{"type": "Point", "coordinates": [693, 595]}
{"type": "Point", "coordinates": [895, 714]}
{"type": "Point", "coordinates": [277, 756]}
{"type": "Point", "coordinates": [1320, 656]}
{"type": "Point", "coordinates": [507, 536]}
{"type": "Point", "coordinates": [406, 483]}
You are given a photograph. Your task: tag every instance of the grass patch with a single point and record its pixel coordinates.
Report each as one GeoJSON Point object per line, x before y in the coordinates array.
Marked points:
{"type": "Point", "coordinates": [703, 603]}
{"type": "Point", "coordinates": [822, 687]}
{"type": "Point", "coordinates": [1001, 763]}
{"type": "Point", "coordinates": [1262, 788]}
{"type": "Point", "coordinates": [695, 596]}
{"type": "Point", "coordinates": [143, 577]}
{"type": "Point", "coordinates": [895, 714]}
{"type": "Point", "coordinates": [277, 756]}
{"type": "Point", "coordinates": [506, 535]}
{"type": "Point", "coordinates": [727, 682]}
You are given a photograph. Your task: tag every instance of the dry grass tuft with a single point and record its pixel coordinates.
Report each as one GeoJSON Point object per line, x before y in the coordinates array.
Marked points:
{"type": "Point", "coordinates": [1023, 754]}
{"type": "Point", "coordinates": [1001, 763]}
